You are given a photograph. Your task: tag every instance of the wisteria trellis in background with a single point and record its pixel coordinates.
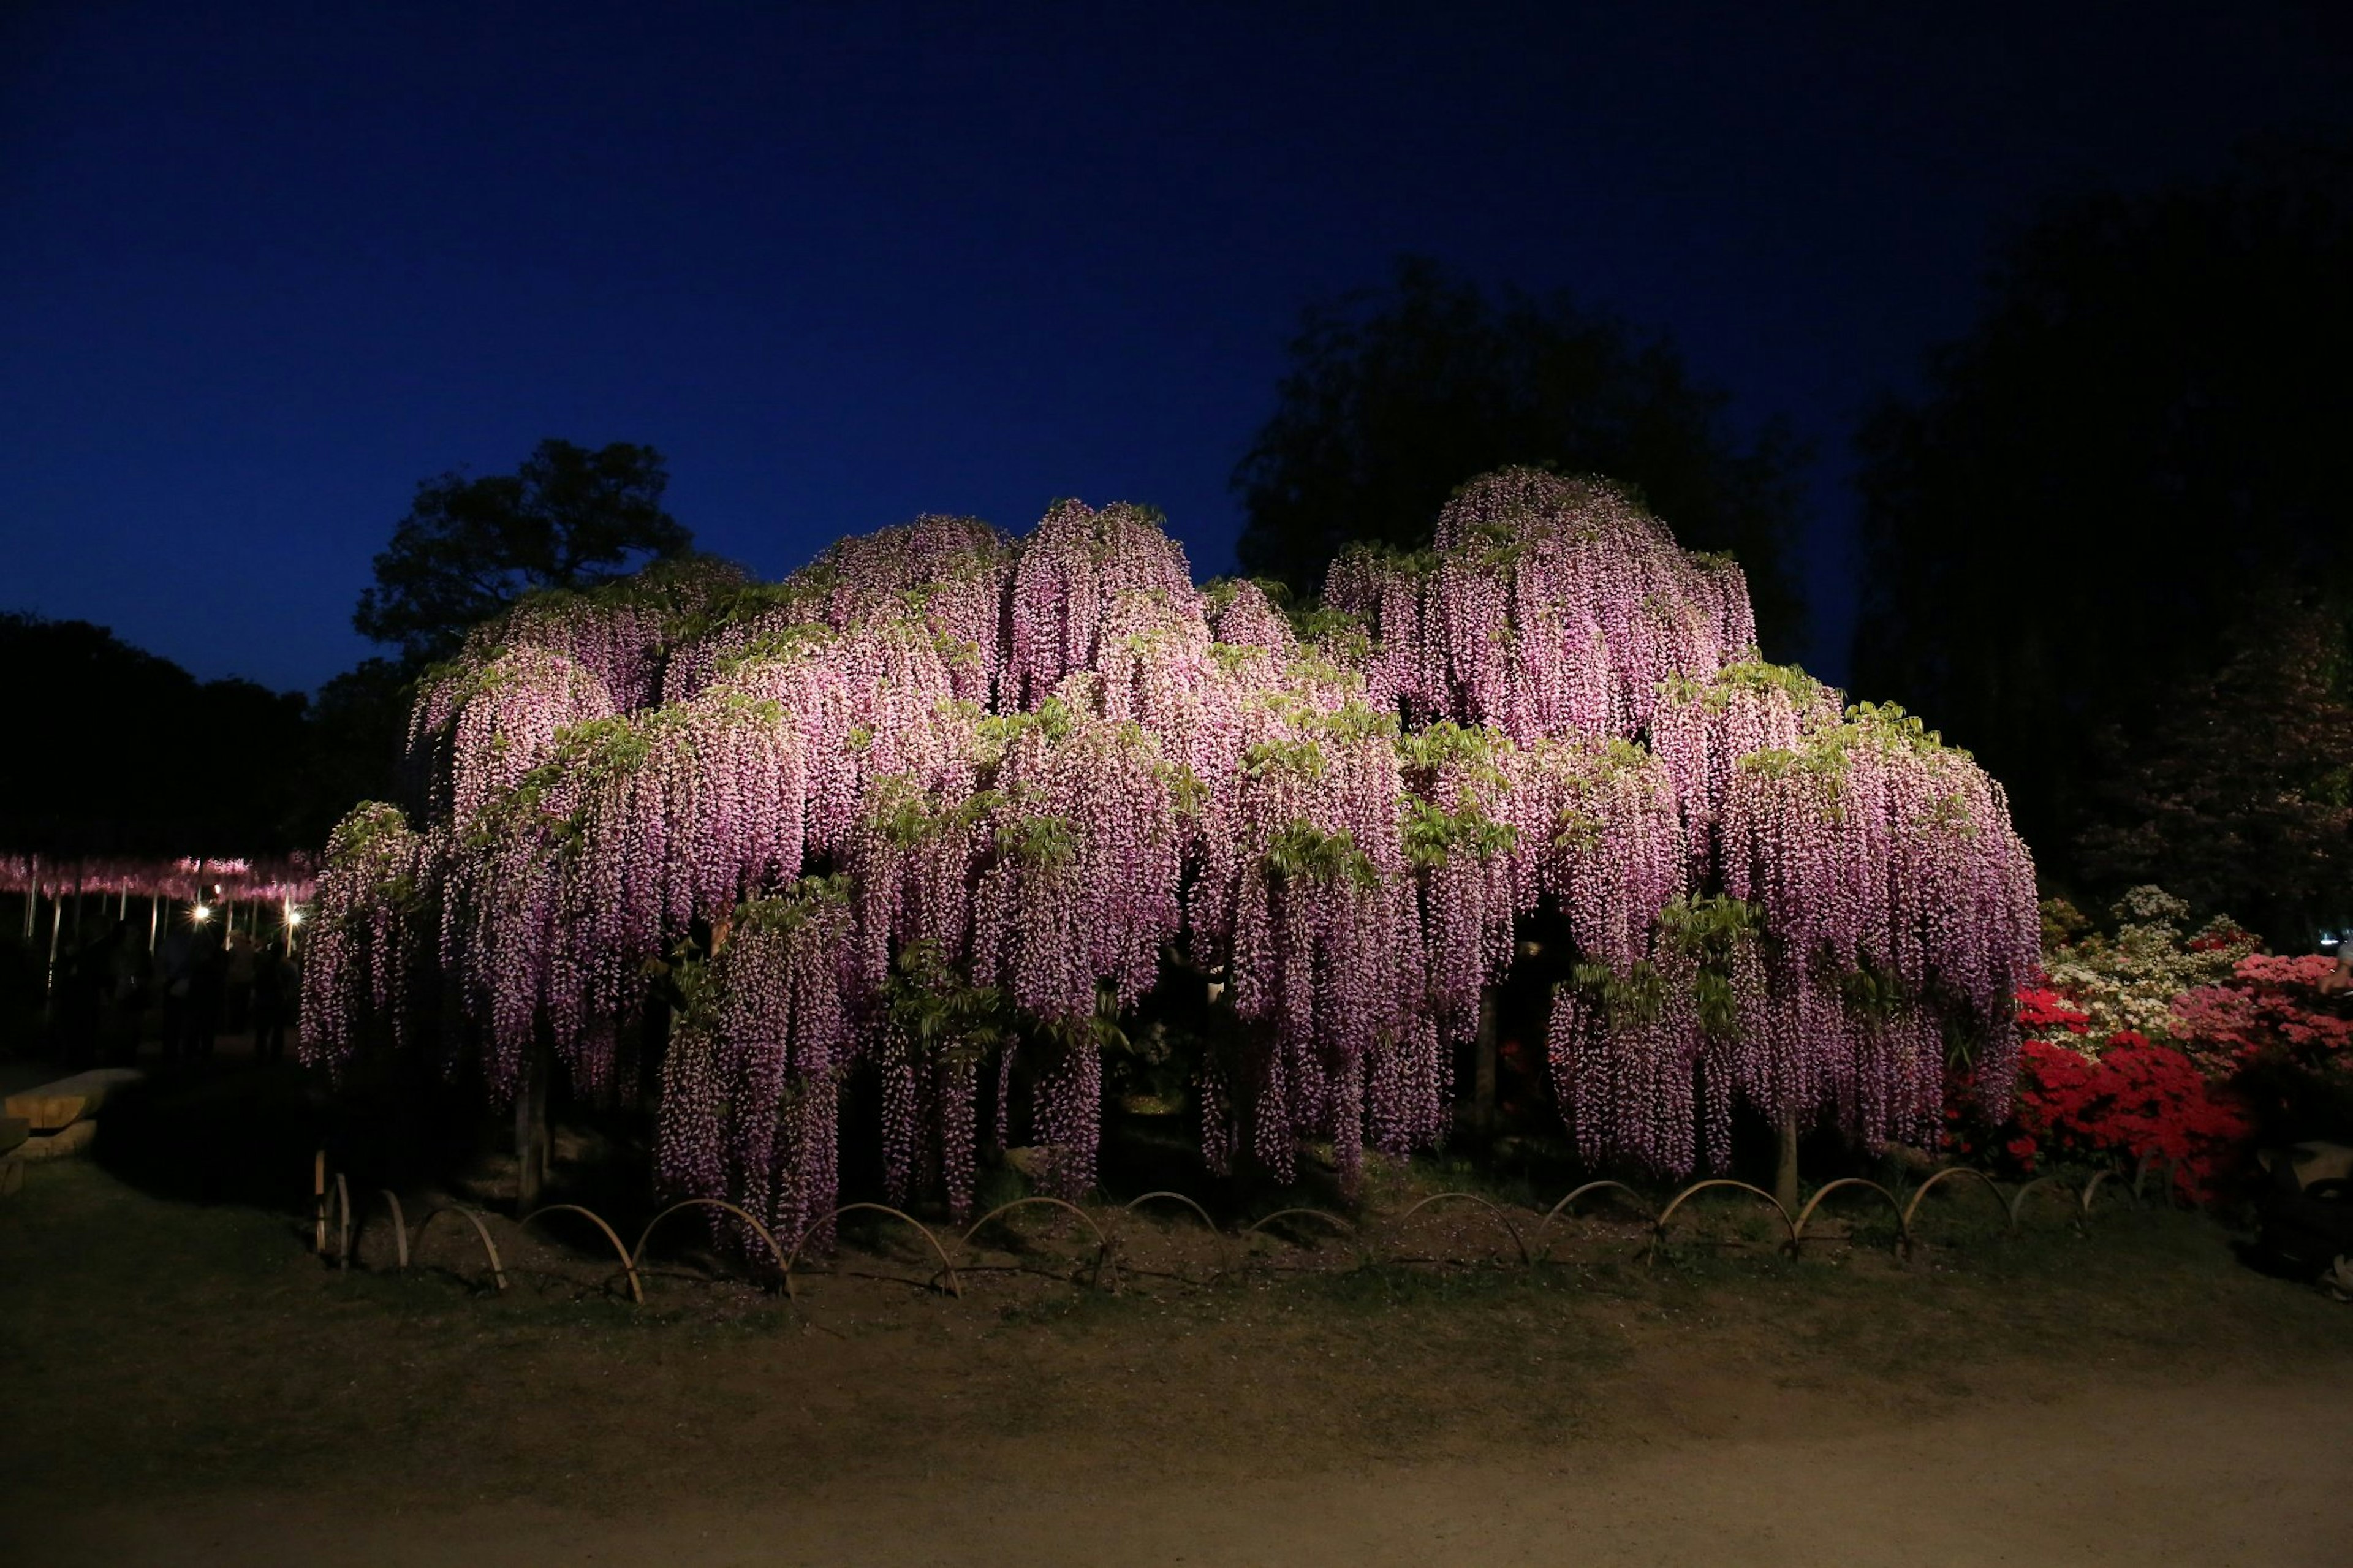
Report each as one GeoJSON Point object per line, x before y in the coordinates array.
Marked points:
{"type": "Point", "coordinates": [947, 800]}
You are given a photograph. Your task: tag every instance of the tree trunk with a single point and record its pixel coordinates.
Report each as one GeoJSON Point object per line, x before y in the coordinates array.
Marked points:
{"type": "Point", "coordinates": [1785, 1175]}
{"type": "Point", "coordinates": [531, 1141]}
{"type": "Point", "coordinates": [1482, 1067]}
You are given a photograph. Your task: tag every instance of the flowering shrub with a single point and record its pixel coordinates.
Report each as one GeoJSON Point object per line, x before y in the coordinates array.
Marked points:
{"type": "Point", "coordinates": [2268, 1004]}
{"type": "Point", "coordinates": [2136, 1098]}
{"type": "Point", "coordinates": [2124, 983]}
{"type": "Point", "coordinates": [2286, 1046]}
{"type": "Point", "coordinates": [2041, 1010]}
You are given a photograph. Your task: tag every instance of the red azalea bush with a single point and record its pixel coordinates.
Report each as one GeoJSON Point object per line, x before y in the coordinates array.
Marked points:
{"type": "Point", "coordinates": [2139, 1099]}
{"type": "Point", "coordinates": [2042, 1009]}
{"type": "Point", "coordinates": [2118, 1100]}
{"type": "Point", "coordinates": [2264, 1054]}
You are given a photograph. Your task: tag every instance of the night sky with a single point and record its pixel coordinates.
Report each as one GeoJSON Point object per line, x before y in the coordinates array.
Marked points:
{"type": "Point", "coordinates": [264, 266]}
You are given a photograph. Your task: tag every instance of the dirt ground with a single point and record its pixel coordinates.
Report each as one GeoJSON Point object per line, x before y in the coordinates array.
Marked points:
{"type": "Point", "coordinates": [2218, 1472]}
{"type": "Point", "coordinates": [186, 1384]}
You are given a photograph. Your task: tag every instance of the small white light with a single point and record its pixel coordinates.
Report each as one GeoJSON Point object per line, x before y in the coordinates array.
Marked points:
{"type": "Point", "coordinates": [201, 913]}
{"type": "Point", "coordinates": [294, 917]}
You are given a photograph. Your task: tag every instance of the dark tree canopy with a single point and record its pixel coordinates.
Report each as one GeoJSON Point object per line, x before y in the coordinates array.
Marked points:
{"type": "Point", "coordinates": [1393, 398]}
{"type": "Point", "coordinates": [117, 750]}
{"type": "Point", "coordinates": [358, 725]}
{"type": "Point", "coordinates": [2083, 517]}
{"type": "Point", "coordinates": [570, 518]}
{"type": "Point", "coordinates": [2235, 795]}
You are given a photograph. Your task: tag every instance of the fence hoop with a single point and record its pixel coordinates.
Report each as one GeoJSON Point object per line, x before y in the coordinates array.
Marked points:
{"type": "Point", "coordinates": [1568, 1206]}
{"type": "Point", "coordinates": [947, 1269]}
{"type": "Point", "coordinates": [1983, 1180]}
{"type": "Point", "coordinates": [2018, 1200]}
{"type": "Point", "coordinates": [399, 1228]}
{"type": "Point", "coordinates": [1903, 1216]}
{"type": "Point", "coordinates": [636, 1254]}
{"type": "Point", "coordinates": [2170, 1173]}
{"type": "Point", "coordinates": [1659, 1233]}
{"type": "Point", "coordinates": [2092, 1190]}
{"type": "Point", "coordinates": [1491, 1206]}
{"type": "Point", "coordinates": [1242, 1240]}
{"type": "Point", "coordinates": [1225, 1241]}
{"type": "Point", "coordinates": [628, 1264]}
{"type": "Point", "coordinates": [1103, 1242]}
{"type": "Point", "coordinates": [498, 1269]}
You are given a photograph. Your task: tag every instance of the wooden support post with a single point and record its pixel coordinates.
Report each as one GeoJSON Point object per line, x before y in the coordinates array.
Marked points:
{"type": "Point", "coordinates": [1785, 1172]}
{"type": "Point", "coordinates": [57, 925]}
{"type": "Point", "coordinates": [154, 915]}
{"type": "Point", "coordinates": [1482, 1067]}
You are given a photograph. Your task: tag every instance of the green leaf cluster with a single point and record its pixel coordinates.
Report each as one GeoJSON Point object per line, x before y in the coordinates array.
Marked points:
{"type": "Point", "coordinates": [1300, 851]}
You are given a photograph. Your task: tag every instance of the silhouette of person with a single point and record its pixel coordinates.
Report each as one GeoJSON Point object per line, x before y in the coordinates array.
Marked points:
{"type": "Point", "coordinates": [240, 997]}
{"type": "Point", "coordinates": [81, 990]}
{"type": "Point", "coordinates": [207, 983]}
{"type": "Point", "coordinates": [271, 975]}
{"type": "Point", "coordinates": [176, 966]}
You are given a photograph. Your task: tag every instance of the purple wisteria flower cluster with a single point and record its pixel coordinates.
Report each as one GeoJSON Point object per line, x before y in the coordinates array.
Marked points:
{"type": "Point", "coordinates": [946, 799]}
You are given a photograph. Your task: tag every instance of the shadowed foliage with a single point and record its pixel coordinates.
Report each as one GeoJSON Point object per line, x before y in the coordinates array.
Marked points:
{"type": "Point", "coordinates": [1395, 397]}
{"type": "Point", "coordinates": [2107, 493]}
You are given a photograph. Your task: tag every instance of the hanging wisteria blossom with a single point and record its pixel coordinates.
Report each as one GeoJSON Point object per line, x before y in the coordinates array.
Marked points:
{"type": "Point", "coordinates": [950, 807]}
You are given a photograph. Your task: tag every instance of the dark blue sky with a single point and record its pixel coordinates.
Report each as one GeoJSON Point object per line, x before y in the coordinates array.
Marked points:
{"type": "Point", "coordinates": [266, 265]}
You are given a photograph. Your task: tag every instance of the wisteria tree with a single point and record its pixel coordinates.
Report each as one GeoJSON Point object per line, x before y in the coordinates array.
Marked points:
{"type": "Point", "coordinates": [957, 806]}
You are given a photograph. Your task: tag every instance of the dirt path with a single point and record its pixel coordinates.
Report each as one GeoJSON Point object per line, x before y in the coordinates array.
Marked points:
{"type": "Point", "coordinates": [2230, 1471]}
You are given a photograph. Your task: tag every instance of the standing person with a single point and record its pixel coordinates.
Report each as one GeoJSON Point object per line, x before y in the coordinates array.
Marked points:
{"type": "Point", "coordinates": [175, 965]}
{"type": "Point", "coordinates": [126, 995]}
{"type": "Point", "coordinates": [2338, 978]}
{"type": "Point", "coordinates": [240, 994]}
{"type": "Point", "coordinates": [207, 980]}
{"type": "Point", "coordinates": [269, 978]}
{"type": "Point", "coordinates": [82, 990]}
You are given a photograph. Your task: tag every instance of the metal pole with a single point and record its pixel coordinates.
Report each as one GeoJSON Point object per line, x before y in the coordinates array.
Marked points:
{"type": "Point", "coordinates": [57, 924]}
{"type": "Point", "coordinates": [32, 898]}
{"type": "Point", "coordinates": [154, 913]}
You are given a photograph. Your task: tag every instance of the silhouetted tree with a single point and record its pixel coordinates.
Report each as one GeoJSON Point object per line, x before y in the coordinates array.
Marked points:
{"type": "Point", "coordinates": [2148, 418]}
{"type": "Point", "coordinates": [569, 518]}
{"type": "Point", "coordinates": [2235, 796]}
{"type": "Point", "coordinates": [114, 750]}
{"type": "Point", "coordinates": [353, 745]}
{"type": "Point", "coordinates": [1396, 397]}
